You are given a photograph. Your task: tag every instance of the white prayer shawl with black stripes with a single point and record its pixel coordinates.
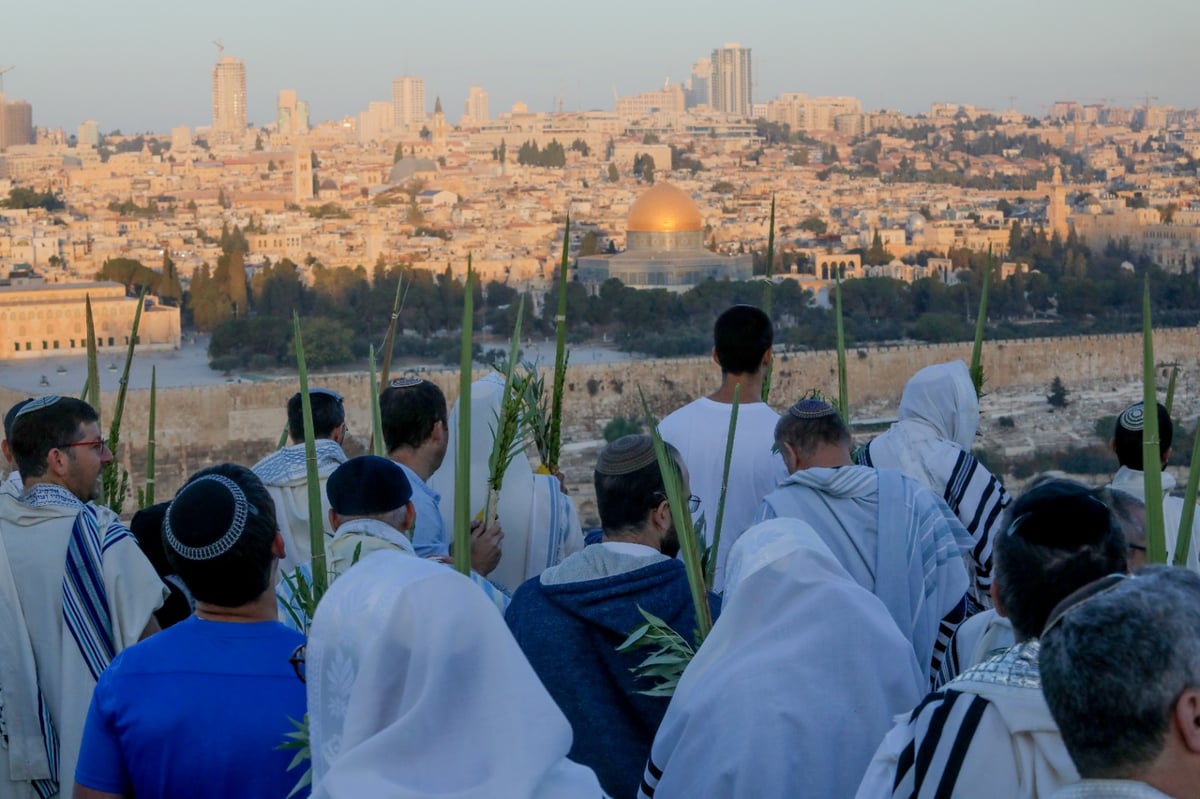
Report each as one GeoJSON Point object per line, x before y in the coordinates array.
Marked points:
{"type": "Point", "coordinates": [988, 734]}
{"type": "Point", "coordinates": [84, 591]}
{"type": "Point", "coordinates": [796, 684]}
{"type": "Point", "coordinates": [931, 442]}
{"type": "Point", "coordinates": [896, 539]}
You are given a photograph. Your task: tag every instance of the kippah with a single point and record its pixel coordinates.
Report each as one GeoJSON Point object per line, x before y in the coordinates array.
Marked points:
{"type": "Point", "coordinates": [408, 381]}
{"type": "Point", "coordinates": [1061, 514]}
{"type": "Point", "coordinates": [320, 392]}
{"type": "Point", "coordinates": [366, 486]}
{"type": "Point", "coordinates": [199, 506]}
{"type": "Point", "coordinates": [1133, 418]}
{"type": "Point", "coordinates": [812, 409]}
{"type": "Point", "coordinates": [37, 404]}
{"type": "Point", "coordinates": [11, 416]}
{"type": "Point", "coordinates": [625, 455]}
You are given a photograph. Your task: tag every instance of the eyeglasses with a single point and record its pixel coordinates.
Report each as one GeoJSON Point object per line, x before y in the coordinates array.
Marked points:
{"type": "Point", "coordinates": [99, 445]}
{"type": "Point", "coordinates": [1082, 596]}
{"type": "Point", "coordinates": [297, 661]}
{"type": "Point", "coordinates": [693, 501]}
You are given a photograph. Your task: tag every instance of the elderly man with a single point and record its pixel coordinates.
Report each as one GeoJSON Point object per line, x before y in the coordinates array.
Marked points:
{"type": "Point", "coordinates": [285, 473]}
{"type": "Point", "coordinates": [931, 442]}
{"type": "Point", "coordinates": [895, 537]}
{"type": "Point", "coordinates": [989, 733]}
{"type": "Point", "coordinates": [199, 710]}
{"type": "Point", "coordinates": [74, 591]}
{"type": "Point", "coordinates": [742, 339]}
{"type": "Point", "coordinates": [570, 620]}
{"type": "Point", "coordinates": [1120, 668]}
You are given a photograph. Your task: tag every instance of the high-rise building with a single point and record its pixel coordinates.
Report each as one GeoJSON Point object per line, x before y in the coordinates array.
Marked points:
{"type": "Point", "coordinates": [291, 114]}
{"type": "Point", "coordinates": [476, 108]}
{"type": "Point", "coordinates": [730, 89]}
{"type": "Point", "coordinates": [89, 134]}
{"type": "Point", "coordinates": [16, 123]}
{"type": "Point", "coordinates": [375, 122]}
{"type": "Point", "coordinates": [229, 99]}
{"type": "Point", "coordinates": [408, 102]}
{"type": "Point", "coordinates": [697, 89]}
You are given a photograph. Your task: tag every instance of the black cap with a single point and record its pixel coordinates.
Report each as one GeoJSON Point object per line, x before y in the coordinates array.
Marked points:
{"type": "Point", "coordinates": [366, 486]}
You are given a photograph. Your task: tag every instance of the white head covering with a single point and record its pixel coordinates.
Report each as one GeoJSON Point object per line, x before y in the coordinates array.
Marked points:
{"type": "Point", "coordinates": [797, 683]}
{"type": "Point", "coordinates": [943, 397]}
{"type": "Point", "coordinates": [531, 525]}
{"type": "Point", "coordinates": [416, 689]}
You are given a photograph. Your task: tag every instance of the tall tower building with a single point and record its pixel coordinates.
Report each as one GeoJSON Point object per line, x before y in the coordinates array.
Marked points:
{"type": "Point", "coordinates": [16, 123]}
{"type": "Point", "coordinates": [285, 111]}
{"type": "Point", "coordinates": [408, 102]}
{"type": "Point", "coordinates": [89, 134]}
{"type": "Point", "coordinates": [697, 90]}
{"type": "Point", "coordinates": [730, 83]}
{"type": "Point", "coordinates": [229, 99]}
{"type": "Point", "coordinates": [476, 108]}
{"type": "Point", "coordinates": [302, 176]}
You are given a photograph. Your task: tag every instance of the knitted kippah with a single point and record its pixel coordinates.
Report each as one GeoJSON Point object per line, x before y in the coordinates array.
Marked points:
{"type": "Point", "coordinates": [1133, 418]}
{"type": "Point", "coordinates": [36, 405]}
{"type": "Point", "coordinates": [12, 415]}
{"type": "Point", "coordinates": [206, 518]}
{"type": "Point", "coordinates": [408, 381]}
{"type": "Point", "coordinates": [625, 455]}
{"type": "Point", "coordinates": [1062, 514]}
{"type": "Point", "coordinates": [366, 486]}
{"type": "Point", "coordinates": [812, 409]}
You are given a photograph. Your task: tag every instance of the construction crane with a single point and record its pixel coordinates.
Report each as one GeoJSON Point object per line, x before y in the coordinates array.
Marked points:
{"type": "Point", "coordinates": [220, 46]}
{"type": "Point", "coordinates": [2, 71]}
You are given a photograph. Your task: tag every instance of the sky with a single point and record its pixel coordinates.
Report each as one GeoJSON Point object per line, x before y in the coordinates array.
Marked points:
{"type": "Point", "coordinates": [146, 65]}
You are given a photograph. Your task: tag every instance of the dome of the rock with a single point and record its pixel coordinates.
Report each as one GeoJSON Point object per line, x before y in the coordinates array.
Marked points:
{"type": "Point", "coordinates": [663, 208]}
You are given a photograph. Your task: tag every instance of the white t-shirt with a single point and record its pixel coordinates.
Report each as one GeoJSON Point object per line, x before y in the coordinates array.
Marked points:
{"type": "Point", "coordinates": [699, 430]}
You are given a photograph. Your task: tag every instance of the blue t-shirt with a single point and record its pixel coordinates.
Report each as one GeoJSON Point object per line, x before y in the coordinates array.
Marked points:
{"type": "Point", "coordinates": [429, 536]}
{"type": "Point", "coordinates": [197, 710]}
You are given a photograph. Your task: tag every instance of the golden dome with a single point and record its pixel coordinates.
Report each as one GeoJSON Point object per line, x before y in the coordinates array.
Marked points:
{"type": "Point", "coordinates": [664, 208]}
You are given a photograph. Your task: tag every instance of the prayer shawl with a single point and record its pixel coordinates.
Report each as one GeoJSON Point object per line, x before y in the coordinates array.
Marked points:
{"type": "Point", "coordinates": [58, 635]}
{"type": "Point", "coordinates": [987, 734]}
{"type": "Point", "coordinates": [794, 687]}
{"type": "Point", "coordinates": [1133, 482]}
{"type": "Point", "coordinates": [416, 689]}
{"type": "Point", "coordinates": [895, 538]}
{"type": "Point", "coordinates": [569, 622]}
{"type": "Point", "coordinates": [979, 638]}
{"type": "Point", "coordinates": [352, 542]}
{"type": "Point", "coordinates": [541, 526]}
{"type": "Point", "coordinates": [939, 414]}
{"type": "Point", "coordinates": [285, 476]}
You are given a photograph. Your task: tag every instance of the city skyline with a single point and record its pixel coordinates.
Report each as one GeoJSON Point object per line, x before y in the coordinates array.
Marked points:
{"type": "Point", "coordinates": [142, 69]}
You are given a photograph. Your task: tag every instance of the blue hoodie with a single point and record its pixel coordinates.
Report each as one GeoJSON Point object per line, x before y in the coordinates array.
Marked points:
{"type": "Point", "coordinates": [570, 630]}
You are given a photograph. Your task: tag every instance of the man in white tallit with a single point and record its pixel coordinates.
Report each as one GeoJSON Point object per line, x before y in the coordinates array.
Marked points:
{"type": "Point", "coordinates": [796, 684]}
{"type": "Point", "coordinates": [989, 733]}
{"type": "Point", "coordinates": [13, 481]}
{"type": "Point", "coordinates": [1126, 444]}
{"type": "Point", "coordinates": [541, 525]}
{"type": "Point", "coordinates": [75, 590]}
{"type": "Point", "coordinates": [895, 537]}
{"type": "Point", "coordinates": [285, 473]}
{"type": "Point", "coordinates": [931, 442]}
{"type": "Point", "coordinates": [417, 689]}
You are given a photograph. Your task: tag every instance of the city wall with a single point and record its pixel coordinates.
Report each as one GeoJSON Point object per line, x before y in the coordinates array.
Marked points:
{"type": "Point", "coordinates": [242, 421]}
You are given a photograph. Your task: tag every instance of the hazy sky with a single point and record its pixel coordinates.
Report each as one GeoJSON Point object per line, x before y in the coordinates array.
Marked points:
{"type": "Point", "coordinates": [146, 65]}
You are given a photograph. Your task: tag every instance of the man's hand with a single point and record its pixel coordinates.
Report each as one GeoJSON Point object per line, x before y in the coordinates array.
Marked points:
{"type": "Point", "coordinates": [485, 547]}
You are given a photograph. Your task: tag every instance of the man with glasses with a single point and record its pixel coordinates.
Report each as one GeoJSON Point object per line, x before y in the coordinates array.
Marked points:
{"type": "Point", "coordinates": [285, 473]}
{"type": "Point", "coordinates": [75, 590]}
{"type": "Point", "coordinates": [988, 733]}
{"type": "Point", "coordinates": [570, 619]}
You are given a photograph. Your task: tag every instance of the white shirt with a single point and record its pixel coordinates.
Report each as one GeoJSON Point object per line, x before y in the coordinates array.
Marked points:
{"type": "Point", "coordinates": [699, 430]}
{"type": "Point", "coordinates": [1133, 482]}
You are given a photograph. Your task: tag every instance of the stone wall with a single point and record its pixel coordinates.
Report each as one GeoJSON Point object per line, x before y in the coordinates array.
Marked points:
{"type": "Point", "coordinates": [242, 421]}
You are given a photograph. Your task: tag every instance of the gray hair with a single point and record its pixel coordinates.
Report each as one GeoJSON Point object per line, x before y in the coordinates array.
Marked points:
{"type": "Point", "coordinates": [1130, 512]}
{"type": "Point", "coordinates": [1114, 666]}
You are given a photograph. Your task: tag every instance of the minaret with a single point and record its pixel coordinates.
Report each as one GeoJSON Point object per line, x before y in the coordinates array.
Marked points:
{"type": "Point", "coordinates": [1056, 212]}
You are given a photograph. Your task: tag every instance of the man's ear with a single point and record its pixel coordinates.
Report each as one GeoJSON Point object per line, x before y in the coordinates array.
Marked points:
{"type": "Point", "coordinates": [716, 360]}
{"type": "Point", "coordinates": [994, 593]}
{"type": "Point", "coordinates": [277, 546]}
{"type": "Point", "coordinates": [335, 521]}
{"type": "Point", "coordinates": [768, 356]}
{"type": "Point", "coordinates": [1166, 456]}
{"type": "Point", "coordinates": [1112, 445]}
{"type": "Point", "coordinates": [1187, 718]}
{"type": "Point", "coordinates": [789, 456]}
{"type": "Point", "coordinates": [410, 517]}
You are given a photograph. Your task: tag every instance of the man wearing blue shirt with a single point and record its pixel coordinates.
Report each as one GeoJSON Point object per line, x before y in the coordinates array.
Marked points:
{"type": "Point", "coordinates": [200, 710]}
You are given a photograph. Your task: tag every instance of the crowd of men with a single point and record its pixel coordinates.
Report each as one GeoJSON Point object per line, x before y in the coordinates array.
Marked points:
{"type": "Point", "coordinates": [889, 621]}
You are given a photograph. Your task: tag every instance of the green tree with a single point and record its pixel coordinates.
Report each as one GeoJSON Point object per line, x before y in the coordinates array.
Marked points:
{"type": "Point", "coordinates": [613, 173]}
{"type": "Point", "coordinates": [651, 138]}
{"type": "Point", "coordinates": [1058, 394]}
{"type": "Point", "coordinates": [814, 224]}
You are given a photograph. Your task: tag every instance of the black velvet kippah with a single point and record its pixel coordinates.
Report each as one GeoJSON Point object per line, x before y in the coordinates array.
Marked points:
{"type": "Point", "coordinates": [1062, 514]}
{"type": "Point", "coordinates": [366, 486]}
{"type": "Point", "coordinates": [625, 455]}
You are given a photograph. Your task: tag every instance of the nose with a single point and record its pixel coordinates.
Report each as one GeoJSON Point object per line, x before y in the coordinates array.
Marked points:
{"type": "Point", "coordinates": [106, 456]}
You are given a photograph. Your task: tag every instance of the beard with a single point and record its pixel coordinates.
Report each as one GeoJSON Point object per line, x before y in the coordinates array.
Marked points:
{"type": "Point", "coordinates": [670, 543]}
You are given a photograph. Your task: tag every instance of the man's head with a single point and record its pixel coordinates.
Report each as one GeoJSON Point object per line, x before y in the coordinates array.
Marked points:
{"type": "Point", "coordinates": [1130, 513]}
{"type": "Point", "coordinates": [1121, 673]}
{"type": "Point", "coordinates": [631, 497]}
{"type": "Point", "coordinates": [57, 440]}
{"type": "Point", "coordinates": [810, 434]}
{"type": "Point", "coordinates": [1127, 437]}
{"type": "Point", "coordinates": [1059, 537]}
{"type": "Point", "coordinates": [328, 412]}
{"type": "Point", "coordinates": [5, 446]}
{"type": "Point", "coordinates": [370, 487]}
{"type": "Point", "coordinates": [220, 536]}
{"type": "Point", "coordinates": [414, 414]}
{"type": "Point", "coordinates": [742, 339]}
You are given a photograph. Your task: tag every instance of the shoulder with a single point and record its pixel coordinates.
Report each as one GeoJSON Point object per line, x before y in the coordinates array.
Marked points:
{"type": "Point", "coordinates": [680, 416]}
